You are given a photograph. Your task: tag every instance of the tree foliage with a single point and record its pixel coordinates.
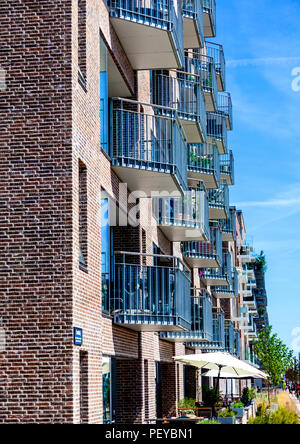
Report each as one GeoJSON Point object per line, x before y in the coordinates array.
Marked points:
{"type": "Point", "coordinates": [274, 355]}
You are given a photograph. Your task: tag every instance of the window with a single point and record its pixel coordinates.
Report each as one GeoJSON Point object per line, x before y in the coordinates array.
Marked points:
{"type": "Point", "coordinates": [103, 96]}
{"type": "Point", "coordinates": [84, 388]}
{"type": "Point", "coordinates": [106, 243]}
{"type": "Point", "coordinates": [82, 42]}
{"type": "Point", "coordinates": [83, 222]}
{"type": "Point", "coordinates": [108, 389]}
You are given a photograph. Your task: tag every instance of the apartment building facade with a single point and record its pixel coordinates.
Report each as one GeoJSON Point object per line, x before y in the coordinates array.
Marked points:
{"type": "Point", "coordinates": [120, 248]}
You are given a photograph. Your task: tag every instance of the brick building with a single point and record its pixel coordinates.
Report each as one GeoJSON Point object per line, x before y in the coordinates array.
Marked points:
{"type": "Point", "coordinates": [99, 95]}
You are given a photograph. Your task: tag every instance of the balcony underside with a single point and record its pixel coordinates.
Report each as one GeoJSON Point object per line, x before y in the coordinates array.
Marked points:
{"type": "Point", "coordinates": [201, 261]}
{"type": "Point", "coordinates": [228, 237]}
{"type": "Point", "coordinates": [147, 47]}
{"type": "Point", "coordinates": [223, 294]}
{"type": "Point", "coordinates": [245, 258]}
{"type": "Point", "coordinates": [209, 29]}
{"type": "Point", "coordinates": [151, 323]}
{"type": "Point", "coordinates": [210, 102]}
{"type": "Point", "coordinates": [216, 213]}
{"type": "Point", "coordinates": [222, 149]}
{"type": "Point", "coordinates": [215, 281]}
{"type": "Point", "coordinates": [177, 233]}
{"type": "Point", "coordinates": [250, 304]}
{"type": "Point", "coordinates": [147, 178]}
{"type": "Point", "coordinates": [192, 336]}
{"type": "Point", "coordinates": [209, 179]}
{"type": "Point", "coordinates": [192, 130]}
{"type": "Point", "coordinates": [191, 35]}
{"type": "Point", "coordinates": [221, 84]}
{"type": "Point", "coordinates": [228, 178]}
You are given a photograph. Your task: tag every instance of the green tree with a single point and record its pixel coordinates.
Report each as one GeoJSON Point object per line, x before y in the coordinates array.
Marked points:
{"type": "Point", "coordinates": [274, 355]}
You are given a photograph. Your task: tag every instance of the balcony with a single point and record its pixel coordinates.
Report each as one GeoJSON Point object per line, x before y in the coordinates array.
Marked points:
{"type": "Point", "coordinates": [151, 32]}
{"type": "Point", "coordinates": [183, 218]}
{"type": "Point", "coordinates": [218, 277]}
{"type": "Point", "coordinates": [182, 92]}
{"type": "Point", "coordinates": [229, 227]}
{"type": "Point", "coordinates": [218, 340]}
{"type": "Point", "coordinates": [245, 254]}
{"type": "Point", "coordinates": [229, 337]}
{"type": "Point", "coordinates": [204, 254]}
{"type": "Point", "coordinates": [202, 320]}
{"type": "Point", "coordinates": [217, 131]}
{"type": "Point", "coordinates": [210, 18]}
{"type": "Point", "coordinates": [204, 164]}
{"type": "Point", "coordinates": [237, 343]}
{"type": "Point", "coordinates": [193, 23]}
{"type": "Point", "coordinates": [153, 295]}
{"type": "Point", "coordinates": [225, 108]}
{"type": "Point", "coordinates": [227, 168]}
{"type": "Point", "coordinates": [218, 203]}
{"type": "Point", "coordinates": [203, 67]}
{"type": "Point", "coordinates": [148, 149]}
{"type": "Point", "coordinates": [216, 51]}
{"type": "Point", "coordinates": [227, 292]}
{"type": "Point", "coordinates": [250, 302]}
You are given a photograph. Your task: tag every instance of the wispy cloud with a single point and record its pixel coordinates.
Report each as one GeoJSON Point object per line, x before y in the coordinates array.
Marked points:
{"type": "Point", "coordinates": [262, 61]}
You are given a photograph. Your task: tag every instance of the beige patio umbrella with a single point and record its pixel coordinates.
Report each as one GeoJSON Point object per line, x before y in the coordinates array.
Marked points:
{"type": "Point", "coordinates": [221, 362]}
{"type": "Point", "coordinates": [226, 375]}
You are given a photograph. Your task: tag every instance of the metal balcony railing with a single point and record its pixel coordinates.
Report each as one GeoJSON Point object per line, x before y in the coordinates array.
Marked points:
{"type": "Point", "coordinates": [204, 160]}
{"type": "Point", "coordinates": [225, 108]}
{"type": "Point", "coordinates": [202, 320]}
{"type": "Point", "coordinates": [190, 211]}
{"type": "Point", "coordinates": [154, 296]}
{"type": "Point", "coordinates": [217, 130]}
{"type": "Point", "coordinates": [219, 199]}
{"type": "Point", "coordinates": [183, 93]}
{"type": "Point", "coordinates": [193, 9]}
{"type": "Point", "coordinates": [222, 274]}
{"type": "Point", "coordinates": [209, 9]}
{"type": "Point", "coordinates": [216, 51]}
{"type": "Point", "coordinates": [219, 327]}
{"type": "Point", "coordinates": [203, 66]}
{"type": "Point", "coordinates": [229, 226]}
{"type": "Point", "coordinates": [229, 336]}
{"type": "Point", "coordinates": [207, 250]}
{"type": "Point", "coordinates": [227, 167]}
{"type": "Point", "coordinates": [161, 15]}
{"type": "Point", "coordinates": [143, 138]}
{"type": "Point", "coordinates": [237, 343]}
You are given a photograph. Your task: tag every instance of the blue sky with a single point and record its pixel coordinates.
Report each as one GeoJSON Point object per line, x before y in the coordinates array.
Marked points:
{"type": "Point", "coordinates": [261, 41]}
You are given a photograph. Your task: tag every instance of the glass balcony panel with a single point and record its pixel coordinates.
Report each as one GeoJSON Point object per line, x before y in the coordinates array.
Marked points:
{"type": "Point", "coordinates": [182, 92]}
{"type": "Point", "coordinates": [183, 218]}
{"type": "Point", "coordinates": [218, 202]}
{"type": "Point", "coordinates": [148, 148]}
{"type": "Point", "coordinates": [210, 18]}
{"type": "Point", "coordinates": [204, 254]}
{"type": "Point", "coordinates": [225, 108]}
{"type": "Point", "coordinates": [216, 51]}
{"type": "Point", "coordinates": [193, 21]}
{"type": "Point", "coordinates": [237, 343]}
{"type": "Point", "coordinates": [229, 227]}
{"type": "Point", "coordinates": [202, 320]}
{"type": "Point", "coordinates": [217, 131]}
{"type": "Point", "coordinates": [204, 164]}
{"type": "Point", "coordinates": [150, 31]}
{"type": "Point", "coordinates": [204, 67]}
{"type": "Point", "coordinates": [229, 337]}
{"type": "Point", "coordinates": [148, 297]}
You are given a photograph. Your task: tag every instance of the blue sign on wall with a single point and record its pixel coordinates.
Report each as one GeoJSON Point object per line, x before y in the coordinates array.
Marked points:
{"type": "Point", "coordinates": [77, 336]}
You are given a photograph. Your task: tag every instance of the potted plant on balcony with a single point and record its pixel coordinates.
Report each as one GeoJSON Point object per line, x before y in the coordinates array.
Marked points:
{"type": "Point", "coordinates": [238, 408]}
{"type": "Point", "coordinates": [226, 417]}
{"type": "Point", "coordinates": [187, 407]}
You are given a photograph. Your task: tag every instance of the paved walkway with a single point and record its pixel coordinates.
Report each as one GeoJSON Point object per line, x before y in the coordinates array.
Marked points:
{"type": "Point", "coordinates": [296, 403]}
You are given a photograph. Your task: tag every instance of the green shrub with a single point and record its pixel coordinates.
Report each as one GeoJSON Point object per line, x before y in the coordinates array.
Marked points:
{"type": "Point", "coordinates": [211, 396]}
{"type": "Point", "coordinates": [281, 416]}
{"type": "Point", "coordinates": [209, 421]}
{"type": "Point", "coordinates": [237, 405]}
{"type": "Point", "coordinates": [226, 413]}
{"type": "Point", "coordinates": [187, 403]}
